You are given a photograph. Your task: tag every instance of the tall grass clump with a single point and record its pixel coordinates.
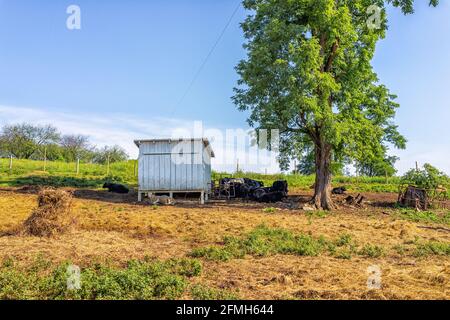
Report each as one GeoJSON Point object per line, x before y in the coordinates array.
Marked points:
{"type": "Point", "coordinates": [263, 241]}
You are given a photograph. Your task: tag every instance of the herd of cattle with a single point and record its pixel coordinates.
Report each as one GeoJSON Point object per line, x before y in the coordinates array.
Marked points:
{"type": "Point", "coordinates": [248, 189]}
{"type": "Point", "coordinates": [239, 188]}
{"type": "Point", "coordinates": [242, 188]}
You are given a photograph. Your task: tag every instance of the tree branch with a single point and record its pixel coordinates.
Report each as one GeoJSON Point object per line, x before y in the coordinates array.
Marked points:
{"type": "Point", "coordinates": [332, 56]}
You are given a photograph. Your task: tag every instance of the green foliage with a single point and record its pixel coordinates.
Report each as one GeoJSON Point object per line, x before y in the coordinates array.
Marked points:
{"type": "Point", "coordinates": [34, 142]}
{"type": "Point", "coordinates": [200, 292]}
{"type": "Point", "coordinates": [139, 280]}
{"type": "Point", "coordinates": [425, 216]}
{"type": "Point", "coordinates": [110, 154]}
{"type": "Point", "coordinates": [58, 173]}
{"type": "Point", "coordinates": [217, 253]}
{"type": "Point", "coordinates": [428, 178]}
{"type": "Point", "coordinates": [343, 240]}
{"type": "Point", "coordinates": [371, 251]}
{"type": "Point", "coordinates": [307, 163]}
{"type": "Point", "coordinates": [269, 210]}
{"type": "Point", "coordinates": [25, 140]}
{"type": "Point", "coordinates": [432, 248]}
{"type": "Point", "coordinates": [308, 73]}
{"type": "Point", "coordinates": [407, 6]}
{"type": "Point", "coordinates": [377, 167]}
{"type": "Point", "coordinates": [343, 247]}
{"type": "Point", "coordinates": [264, 241]}
{"type": "Point", "coordinates": [62, 174]}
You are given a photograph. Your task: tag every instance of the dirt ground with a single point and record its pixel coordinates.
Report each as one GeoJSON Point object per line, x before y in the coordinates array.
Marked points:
{"type": "Point", "coordinates": [116, 228]}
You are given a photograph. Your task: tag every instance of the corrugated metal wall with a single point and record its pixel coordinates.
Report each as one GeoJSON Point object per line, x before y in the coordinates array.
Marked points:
{"type": "Point", "coordinates": [160, 168]}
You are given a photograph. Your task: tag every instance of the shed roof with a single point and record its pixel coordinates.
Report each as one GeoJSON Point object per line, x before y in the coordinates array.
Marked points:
{"type": "Point", "coordinates": [205, 141]}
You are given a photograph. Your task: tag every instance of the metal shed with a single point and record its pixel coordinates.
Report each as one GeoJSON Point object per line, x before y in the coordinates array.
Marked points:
{"type": "Point", "coordinates": [174, 166]}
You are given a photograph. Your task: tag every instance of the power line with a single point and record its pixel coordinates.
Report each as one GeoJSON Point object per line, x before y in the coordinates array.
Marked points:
{"type": "Point", "coordinates": [205, 60]}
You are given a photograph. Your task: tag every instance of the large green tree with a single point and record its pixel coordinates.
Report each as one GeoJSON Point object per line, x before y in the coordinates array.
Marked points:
{"type": "Point", "coordinates": [308, 73]}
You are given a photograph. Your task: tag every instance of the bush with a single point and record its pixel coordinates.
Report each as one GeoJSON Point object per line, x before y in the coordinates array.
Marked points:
{"type": "Point", "coordinates": [425, 216]}
{"type": "Point", "coordinates": [427, 178]}
{"type": "Point", "coordinates": [199, 292]}
{"type": "Point", "coordinates": [371, 251]}
{"type": "Point", "coordinates": [263, 241]}
{"type": "Point", "coordinates": [432, 248]}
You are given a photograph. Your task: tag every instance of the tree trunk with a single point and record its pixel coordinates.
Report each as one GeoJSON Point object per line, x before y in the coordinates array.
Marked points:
{"type": "Point", "coordinates": [322, 193]}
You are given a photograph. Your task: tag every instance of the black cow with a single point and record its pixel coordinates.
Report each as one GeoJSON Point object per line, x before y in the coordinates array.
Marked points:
{"type": "Point", "coordinates": [340, 190]}
{"type": "Point", "coordinates": [272, 197]}
{"type": "Point", "coordinates": [281, 186]}
{"type": "Point", "coordinates": [116, 188]}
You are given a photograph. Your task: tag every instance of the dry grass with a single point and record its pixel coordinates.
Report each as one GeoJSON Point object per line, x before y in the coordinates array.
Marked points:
{"type": "Point", "coordinates": [52, 216]}
{"type": "Point", "coordinates": [115, 228]}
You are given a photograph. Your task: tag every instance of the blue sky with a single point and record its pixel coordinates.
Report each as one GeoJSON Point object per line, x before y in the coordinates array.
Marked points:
{"type": "Point", "coordinates": [123, 74]}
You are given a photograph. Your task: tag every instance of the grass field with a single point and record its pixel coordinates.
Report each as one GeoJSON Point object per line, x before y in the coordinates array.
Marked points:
{"type": "Point", "coordinates": [62, 174]}
{"type": "Point", "coordinates": [222, 250]}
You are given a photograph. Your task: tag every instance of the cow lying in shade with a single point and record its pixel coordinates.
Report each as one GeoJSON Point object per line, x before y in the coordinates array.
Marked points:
{"type": "Point", "coordinates": [116, 188]}
{"type": "Point", "coordinates": [340, 190]}
{"type": "Point", "coordinates": [276, 193]}
{"type": "Point", "coordinates": [272, 197]}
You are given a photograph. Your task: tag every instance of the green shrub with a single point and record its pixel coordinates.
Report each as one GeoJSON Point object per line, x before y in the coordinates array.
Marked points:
{"type": "Point", "coordinates": [200, 292]}
{"type": "Point", "coordinates": [215, 253]}
{"type": "Point", "coordinates": [138, 280]}
{"type": "Point", "coordinates": [263, 241]}
{"type": "Point", "coordinates": [371, 251]}
{"type": "Point", "coordinates": [432, 248]}
{"type": "Point", "coordinates": [428, 178]}
{"type": "Point", "coordinates": [424, 216]}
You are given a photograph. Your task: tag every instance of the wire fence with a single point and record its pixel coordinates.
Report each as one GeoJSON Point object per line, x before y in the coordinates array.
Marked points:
{"type": "Point", "coordinates": [11, 168]}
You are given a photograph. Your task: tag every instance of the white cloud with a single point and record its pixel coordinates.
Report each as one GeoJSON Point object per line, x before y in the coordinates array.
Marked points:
{"type": "Point", "coordinates": [122, 129]}
{"type": "Point", "coordinates": [103, 129]}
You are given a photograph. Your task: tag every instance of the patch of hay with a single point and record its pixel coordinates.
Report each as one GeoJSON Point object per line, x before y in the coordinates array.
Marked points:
{"type": "Point", "coordinates": [52, 216]}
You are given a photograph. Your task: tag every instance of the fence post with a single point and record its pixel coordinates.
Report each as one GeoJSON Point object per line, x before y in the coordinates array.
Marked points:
{"type": "Point", "coordinates": [107, 165]}
{"type": "Point", "coordinates": [10, 164]}
{"type": "Point", "coordinates": [45, 159]}
{"type": "Point", "coordinates": [78, 166]}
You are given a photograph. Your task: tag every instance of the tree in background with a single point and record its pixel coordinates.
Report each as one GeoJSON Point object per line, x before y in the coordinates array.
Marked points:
{"type": "Point", "coordinates": [75, 147]}
{"type": "Point", "coordinates": [307, 165]}
{"type": "Point", "coordinates": [308, 73]}
{"type": "Point", "coordinates": [110, 154]}
{"type": "Point", "coordinates": [377, 167]}
{"type": "Point", "coordinates": [26, 140]}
